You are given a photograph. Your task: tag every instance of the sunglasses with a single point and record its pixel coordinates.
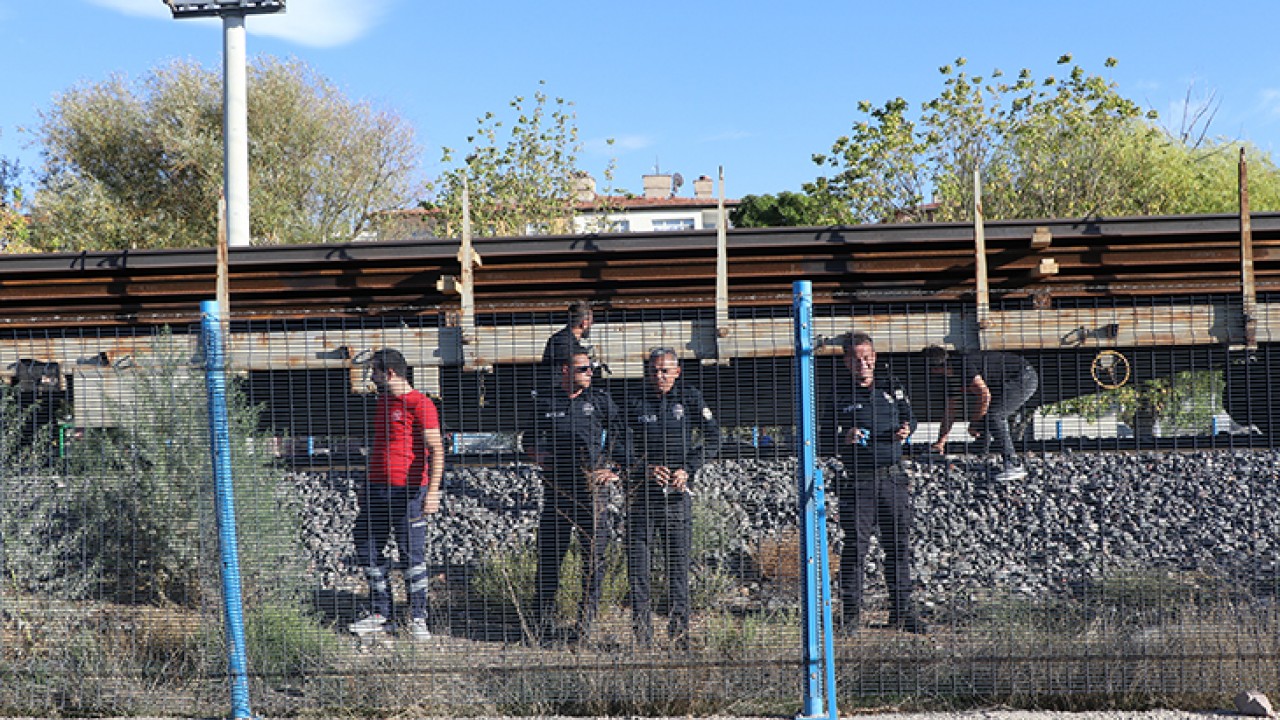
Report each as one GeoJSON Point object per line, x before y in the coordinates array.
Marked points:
{"type": "Point", "coordinates": [582, 368]}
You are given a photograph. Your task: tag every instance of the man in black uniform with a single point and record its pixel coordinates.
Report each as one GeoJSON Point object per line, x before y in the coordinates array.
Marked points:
{"type": "Point", "coordinates": [674, 434]}
{"type": "Point", "coordinates": [580, 440]}
{"type": "Point", "coordinates": [874, 420]}
{"type": "Point", "coordinates": [1000, 382]}
{"type": "Point", "coordinates": [567, 341]}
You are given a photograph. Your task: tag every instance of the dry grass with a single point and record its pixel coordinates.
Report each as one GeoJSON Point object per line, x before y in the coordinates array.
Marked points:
{"type": "Point", "coordinates": [100, 659]}
{"type": "Point", "coordinates": [778, 557]}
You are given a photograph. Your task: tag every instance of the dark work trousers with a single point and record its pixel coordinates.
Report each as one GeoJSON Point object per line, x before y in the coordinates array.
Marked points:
{"type": "Point", "coordinates": [385, 509]}
{"type": "Point", "coordinates": [569, 511]}
{"type": "Point", "coordinates": [1011, 397]}
{"type": "Point", "coordinates": [663, 520]}
{"type": "Point", "coordinates": [876, 501]}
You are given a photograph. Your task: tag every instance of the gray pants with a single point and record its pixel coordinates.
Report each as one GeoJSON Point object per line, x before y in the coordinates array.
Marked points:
{"type": "Point", "coordinates": [1005, 402]}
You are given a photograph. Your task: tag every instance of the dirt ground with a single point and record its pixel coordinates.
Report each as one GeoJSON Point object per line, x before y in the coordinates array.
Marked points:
{"type": "Point", "coordinates": [989, 714]}
{"type": "Point", "coordinates": [992, 714]}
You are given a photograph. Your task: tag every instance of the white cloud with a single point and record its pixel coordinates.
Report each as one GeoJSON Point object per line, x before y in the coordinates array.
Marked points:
{"type": "Point", "coordinates": [324, 23]}
{"type": "Point", "coordinates": [315, 23]}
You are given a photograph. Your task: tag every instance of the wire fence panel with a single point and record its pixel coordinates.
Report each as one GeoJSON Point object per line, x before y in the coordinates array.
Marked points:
{"type": "Point", "coordinates": [1090, 515]}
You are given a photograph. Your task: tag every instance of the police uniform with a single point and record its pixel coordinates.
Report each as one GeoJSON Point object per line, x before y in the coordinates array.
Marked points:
{"type": "Point", "coordinates": [574, 435]}
{"type": "Point", "coordinates": [665, 429]}
{"type": "Point", "coordinates": [561, 347]}
{"type": "Point", "coordinates": [874, 496]}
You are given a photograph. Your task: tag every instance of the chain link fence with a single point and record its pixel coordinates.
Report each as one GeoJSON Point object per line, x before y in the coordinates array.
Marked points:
{"type": "Point", "coordinates": [603, 546]}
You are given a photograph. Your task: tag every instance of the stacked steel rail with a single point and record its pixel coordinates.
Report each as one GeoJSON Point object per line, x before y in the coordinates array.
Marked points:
{"type": "Point", "coordinates": [1158, 295]}
{"type": "Point", "coordinates": [1041, 258]}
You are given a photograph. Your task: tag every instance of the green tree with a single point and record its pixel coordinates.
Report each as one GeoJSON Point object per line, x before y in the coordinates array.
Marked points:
{"type": "Point", "coordinates": [521, 174]}
{"type": "Point", "coordinates": [139, 165]}
{"type": "Point", "coordinates": [786, 209]}
{"type": "Point", "coordinates": [879, 170]}
{"type": "Point", "coordinates": [1056, 147]}
{"type": "Point", "coordinates": [13, 225]}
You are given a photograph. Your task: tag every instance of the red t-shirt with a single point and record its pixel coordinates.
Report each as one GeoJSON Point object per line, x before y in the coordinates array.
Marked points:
{"type": "Point", "coordinates": [399, 455]}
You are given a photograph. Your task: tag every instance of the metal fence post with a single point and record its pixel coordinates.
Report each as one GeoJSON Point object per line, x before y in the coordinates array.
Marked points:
{"type": "Point", "coordinates": [819, 651]}
{"type": "Point", "coordinates": [220, 447]}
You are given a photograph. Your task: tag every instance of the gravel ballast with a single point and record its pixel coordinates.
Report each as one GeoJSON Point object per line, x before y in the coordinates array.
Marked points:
{"type": "Point", "coordinates": [1077, 517]}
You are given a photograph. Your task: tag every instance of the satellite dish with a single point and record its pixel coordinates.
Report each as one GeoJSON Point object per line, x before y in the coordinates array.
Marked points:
{"type": "Point", "coordinates": [676, 181]}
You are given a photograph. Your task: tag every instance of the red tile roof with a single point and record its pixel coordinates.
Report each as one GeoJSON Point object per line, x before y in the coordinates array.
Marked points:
{"type": "Point", "coordinates": [623, 202]}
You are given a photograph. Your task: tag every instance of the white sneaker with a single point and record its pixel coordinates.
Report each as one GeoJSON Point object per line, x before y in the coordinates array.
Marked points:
{"type": "Point", "coordinates": [1011, 473]}
{"type": "Point", "coordinates": [418, 629]}
{"type": "Point", "coordinates": [374, 623]}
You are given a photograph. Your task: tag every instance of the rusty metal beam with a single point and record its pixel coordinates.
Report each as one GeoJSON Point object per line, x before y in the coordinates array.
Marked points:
{"type": "Point", "coordinates": [1124, 256]}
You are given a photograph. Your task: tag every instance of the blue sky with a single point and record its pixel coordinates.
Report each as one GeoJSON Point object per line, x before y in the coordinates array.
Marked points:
{"type": "Point", "coordinates": [755, 87]}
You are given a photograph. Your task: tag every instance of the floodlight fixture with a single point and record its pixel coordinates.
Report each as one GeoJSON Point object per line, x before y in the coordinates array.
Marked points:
{"type": "Point", "coordinates": [222, 8]}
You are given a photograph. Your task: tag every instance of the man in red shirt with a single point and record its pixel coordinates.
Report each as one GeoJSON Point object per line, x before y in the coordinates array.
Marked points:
{"type": "Point", "coordinates": [406, 467]}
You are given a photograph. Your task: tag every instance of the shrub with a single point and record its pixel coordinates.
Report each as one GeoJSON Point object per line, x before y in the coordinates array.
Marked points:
{"type": "Point", "coordinates": [131, 517]}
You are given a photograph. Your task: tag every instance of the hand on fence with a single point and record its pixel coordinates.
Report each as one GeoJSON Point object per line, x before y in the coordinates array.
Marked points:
{"type": "Point", "coordinates": [669, 480]}
{"type": "Point", "coordinates": [601, 477]}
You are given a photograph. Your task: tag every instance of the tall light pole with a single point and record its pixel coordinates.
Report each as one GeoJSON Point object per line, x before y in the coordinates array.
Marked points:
{"type": "Point", "coordinates": [235, 183]}
{"type": "Point", "coordinates": [235, 121]}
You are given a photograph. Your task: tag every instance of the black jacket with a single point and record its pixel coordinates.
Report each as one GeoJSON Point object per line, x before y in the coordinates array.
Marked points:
{"type": "Point", "coordinates": [574, 434]}
{"type": "Point", "coordinates": [880, 409]}
{"type": "Point", "coordinates": [665, 428]}
{"type": "Point", "coordinates": [562, 346]}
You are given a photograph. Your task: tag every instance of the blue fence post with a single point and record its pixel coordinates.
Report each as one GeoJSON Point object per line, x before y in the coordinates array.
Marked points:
{"type": "Point", "coordinates": [220, 447]}
{"type": "Point", "coordinates": [819, 650]}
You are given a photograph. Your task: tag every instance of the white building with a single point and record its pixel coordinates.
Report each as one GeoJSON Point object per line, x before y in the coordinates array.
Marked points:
{"type": "Point", "coordinates": [658, 209]}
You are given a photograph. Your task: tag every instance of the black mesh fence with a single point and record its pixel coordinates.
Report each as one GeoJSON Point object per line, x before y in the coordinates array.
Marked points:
{"type": "Point", "coordinates": [617, 528]}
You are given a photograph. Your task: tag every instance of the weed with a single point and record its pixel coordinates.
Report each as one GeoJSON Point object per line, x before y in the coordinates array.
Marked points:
{"type": "Point", "coordinates": [284, 641]}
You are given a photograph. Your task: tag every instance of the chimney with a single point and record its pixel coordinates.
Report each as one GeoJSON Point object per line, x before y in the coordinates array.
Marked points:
{"type": "Point", "coordinates": [703, 188]}
{"type": "Point", "coordinates": [657, 187]}
{"type": "Point", "coordinates": [584, 188]}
